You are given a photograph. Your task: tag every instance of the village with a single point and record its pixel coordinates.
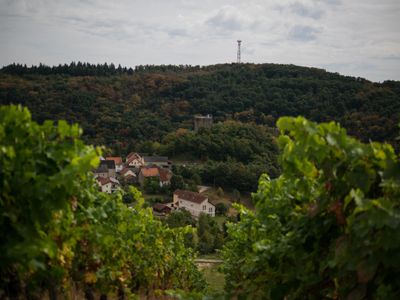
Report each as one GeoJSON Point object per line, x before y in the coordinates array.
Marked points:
{"type": "Point", "coordinates": [155, 172]}
{"type": "Point", "coordinates": [140, 170]}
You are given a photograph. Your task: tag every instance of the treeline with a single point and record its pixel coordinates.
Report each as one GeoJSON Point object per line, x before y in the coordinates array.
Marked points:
{"type": "Point", "coordinates": [61, 237]}
{"type": "Point", "coordinates": [124, 110]}
{"type": "Point", "coordinates": [88, 69]}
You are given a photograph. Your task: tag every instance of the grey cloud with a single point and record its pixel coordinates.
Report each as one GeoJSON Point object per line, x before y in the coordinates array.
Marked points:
{"type": "Point", "coordinates": [329, 2]}
{"type": "Point", "coordinates": [159, 31]}
{"type": "Point", "coordinates": [390, 57]}
{"type": "Point", "coordinates": [229, 19]}
{"type": "Point", "coordinates": [303, 33]}
{"type": "Point", "coordinates": [177, 32]}
{"type": "Point", "coordinates": [300, 9]}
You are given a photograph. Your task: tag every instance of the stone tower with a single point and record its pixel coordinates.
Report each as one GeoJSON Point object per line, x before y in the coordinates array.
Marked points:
{"type": "Point", "coordinates": [202, 121]}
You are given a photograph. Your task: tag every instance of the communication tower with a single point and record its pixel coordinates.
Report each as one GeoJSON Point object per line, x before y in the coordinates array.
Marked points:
{"type": "Point", "coordinates": [238, 51]}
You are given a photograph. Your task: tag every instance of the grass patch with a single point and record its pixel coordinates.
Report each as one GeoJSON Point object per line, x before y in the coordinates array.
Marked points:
{"type": "Point", "coordinates": [214, 278]}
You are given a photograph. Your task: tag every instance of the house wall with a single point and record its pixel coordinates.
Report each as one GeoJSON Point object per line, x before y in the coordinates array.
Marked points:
{"type": "Point", "coordinates": [164, 183]}
{"type": "Point", "coordinates": [106, 188]}
{"type": "Point", "coordinates": [118, 168]}
{"type": "Point", "coordinates": [136, 163]}
{"type": "Point", "coordinates": [103, 175]}
{"type": "Point", "coordinates": [141, 179]}
{"type": "Point", "coordinates": [111, 172]}
{"type": "Point", "coordinates": [194, 208]}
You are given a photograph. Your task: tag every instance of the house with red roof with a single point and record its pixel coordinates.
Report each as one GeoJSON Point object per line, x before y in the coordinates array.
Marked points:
{"type": "Point", "coordinates": [108, 185]}
{"type": "Point", "coordinates": [160, 209]}
{"type": "Point", "coordinates": [162, 175]}
{"type": "Point", "coordinates": [134, 160]}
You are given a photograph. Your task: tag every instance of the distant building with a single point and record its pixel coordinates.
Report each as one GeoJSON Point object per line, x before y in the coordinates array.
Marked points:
{"type": "Point", "coordinates": [193, 202]}
{"type": "Point", "coordinates": [158, 161]}
{"type": "Point", "coordinates": [202, 122]}
{"type": "Point", "coordinates": [134, 160]}
{"type": "Point", "coordinates": [105, 169]}
{"type": "Point", "coordinates": [118, 162]}
{"type": "Point", "coordinates": [160, 209]}
{"type": "Point", "coordinates": [162, 175]}
{"type": "Point", "coordinates": [128, 175]}
{"type": "Point", "coordinates": [108, 185]}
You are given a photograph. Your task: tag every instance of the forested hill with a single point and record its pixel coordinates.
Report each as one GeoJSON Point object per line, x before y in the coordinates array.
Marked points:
{"type": "Point", "coordinates": [121, 107]}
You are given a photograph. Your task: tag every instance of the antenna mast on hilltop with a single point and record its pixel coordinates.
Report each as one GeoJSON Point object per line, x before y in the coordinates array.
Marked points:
{"type": "Point", "coordinates": [238, 51]}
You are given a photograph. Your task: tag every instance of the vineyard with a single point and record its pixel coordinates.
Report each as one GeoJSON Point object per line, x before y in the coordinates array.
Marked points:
{"type": "Point", "coordinates": [60, 235]}
{"type": "Point", "coordinates": [326, 228]}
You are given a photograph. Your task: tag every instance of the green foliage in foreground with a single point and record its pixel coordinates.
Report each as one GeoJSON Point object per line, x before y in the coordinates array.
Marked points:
{"type": "Point", "coordinates": [59, 233]}
{"type": "Point", "coordinates": [328, 227]}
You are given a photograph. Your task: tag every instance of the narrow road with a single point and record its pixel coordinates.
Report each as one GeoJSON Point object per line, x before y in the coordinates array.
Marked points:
{"type": "Point", "coordinates": [208, 261]}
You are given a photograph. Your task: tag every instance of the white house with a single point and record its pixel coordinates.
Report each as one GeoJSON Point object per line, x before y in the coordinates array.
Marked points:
{"type": "Point", "coordinates": [105, 184]}
{"type": "Point", "coordinates": [108, 185]}
{"type": "Point", "coordinates": [193, 202]}
{"type": "Point", "coordinates": [134, 160]}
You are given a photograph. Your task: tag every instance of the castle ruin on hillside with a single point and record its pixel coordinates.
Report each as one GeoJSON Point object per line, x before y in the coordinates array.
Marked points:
{"type": "Point", "coordinates": [202, 122]}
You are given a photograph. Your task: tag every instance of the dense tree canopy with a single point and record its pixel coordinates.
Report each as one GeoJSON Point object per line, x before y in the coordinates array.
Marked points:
{"type": "Point", "coordinates": [121, 109]}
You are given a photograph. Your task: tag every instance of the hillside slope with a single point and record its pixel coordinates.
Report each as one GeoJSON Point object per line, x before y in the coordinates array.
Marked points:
{"type": "Point", "coordinates": [122, 108]}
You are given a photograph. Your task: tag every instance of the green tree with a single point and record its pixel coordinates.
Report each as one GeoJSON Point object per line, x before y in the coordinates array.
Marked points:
{"type": "Point", "coordinates": [152, 185]}
{"type": "Point", "coordinates": [182, 218]}
{"type": "Point", "coordinates": [221, 209]}
{"type": "Point", "coordinates": [177, 182]}
{"type": "Point", "coordinates": [210, 236]}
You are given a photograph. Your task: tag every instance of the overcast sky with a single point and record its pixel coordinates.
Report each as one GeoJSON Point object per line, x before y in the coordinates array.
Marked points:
{"type": "Point", "coordinates": [352, 37]}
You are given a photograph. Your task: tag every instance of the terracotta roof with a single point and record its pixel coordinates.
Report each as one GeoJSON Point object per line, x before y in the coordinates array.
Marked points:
{"type": "Point", "coordinates": [190, 196]}
{"type": "Point", "coordinates": [116, 159]}
{"type": "Point", "coordinates": [161, 207]}
{"type": "Point", "coordinates": [165, 175]}
{"type": "Point", "coordinates": [103, 181]}
{"type": "Point", "coordinates": [126, 170]}
{"type": "Point", "coordinates": [132, 156]}
{"type": "Point", "coordinates": [149, 172]}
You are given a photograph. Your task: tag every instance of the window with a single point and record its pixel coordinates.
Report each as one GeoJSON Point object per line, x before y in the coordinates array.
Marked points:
{"type": "Point", "coordinates": [210, 209]}
{"type": "Point", "coordinates": [204, 207]}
